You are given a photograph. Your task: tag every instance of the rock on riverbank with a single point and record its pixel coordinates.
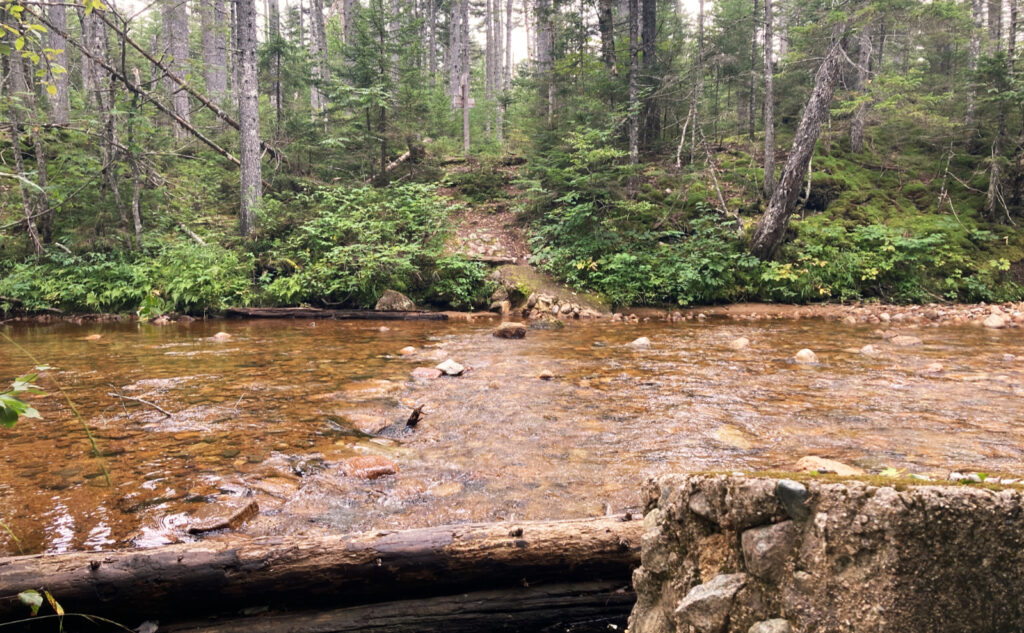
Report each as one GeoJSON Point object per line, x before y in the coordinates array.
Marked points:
{"type": "Point", "coordinates": [724, 553]}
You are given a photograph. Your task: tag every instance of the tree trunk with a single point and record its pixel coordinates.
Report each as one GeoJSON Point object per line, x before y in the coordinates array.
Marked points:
{"type": "Point", "coordinates": [754, 59]}
{"type": "Point", "coordinates": [61, 102]}
{"type": "Point", "coordinates": [772, 227]}
{"type": "Point", "coordinates": [861, 113]}
{"type": "Point", "coordinates": [319, 69]}
{"type": "Point", "coordinates": [545, 52]}
{"type": "Point", "coordinates": [769, 102]}
{"type": "Point", "coordinates": [223, 576]}
{"type": "Point", "coordinates": [577, 606]}
{"type": "Point", "coordinates": [649, 36]}
{"type": "Point", "coordinates": [606, 25]}
{"type": "Point", "coordinates": [248, 118]}
{"type": "Point", "coordinates": [175, 34]}
{"type": "Point", "coordinates": [20, 105]}
{"type": "Point", "coordinates": [432, 40]}
{"type": "Point", "coordinates": [632, 99]}
{"type": "Point", "coordinates": [488, 60]}
{"type": "Point", "coordinates": [211, 20]}
{"type": "Point", "coordinates": [973, 53]}
{"type": "Point", "coordinates": [995, 24]}
{"type": "Point", "coordinates": [273, 22]}
{"type": "Point", "coordinates": [464, 64]}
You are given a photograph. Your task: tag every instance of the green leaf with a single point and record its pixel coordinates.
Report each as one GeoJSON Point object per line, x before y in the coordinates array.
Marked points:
{"type": "Point", "coordinates": [19, 43]}
{"type": "Point", "coordinates": [32, 599]}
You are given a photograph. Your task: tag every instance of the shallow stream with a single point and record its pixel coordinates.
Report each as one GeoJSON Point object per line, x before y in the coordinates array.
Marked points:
{"type": "Point", "coordinates": [273, 413]}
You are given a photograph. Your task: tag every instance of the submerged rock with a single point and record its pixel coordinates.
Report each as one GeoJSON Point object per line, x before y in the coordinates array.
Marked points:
{"type": "Point", "coordinates": [408, 350]}
{"type": "Point", "coordinates": [369, 467]}
{"type": "Point", "coordinates": [426, 373]}
{"type": "Point", "coordinates": [641, 343]}
{"type": "Point", "coordinates": [223, 514]}
{"type": "Point", "coordinates": [806, 356]}
{"type": "Point", "coordinates": [394, 301]}
{"type": "Point", "coordinates": [221, 336]}
{"type": "Point", "coordinates": [739, 343]}
{"type": "Point", "coordinates": [510, 330]}
{"type": "Point", "coordinates": [905, 341]}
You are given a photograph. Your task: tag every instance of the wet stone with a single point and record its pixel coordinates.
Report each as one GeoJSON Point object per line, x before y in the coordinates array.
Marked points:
{"type": "Point", "coordinates": [450, 368]}
{"type": "Point", "coordinates": [510, 330]}
{"type": "Point", "coordinates": [806, 356]}
{"type": "Point", "coordinates": [426, 373]}
{"type": "Point", "coordinates": [369, 467]}
{"type": "Point", "coordinates": [222, 514]}
{"type": "Point", "coordinates": [641, 343]}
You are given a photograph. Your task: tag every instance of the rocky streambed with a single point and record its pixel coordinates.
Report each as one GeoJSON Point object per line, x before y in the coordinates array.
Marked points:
{"type": "Point", "coordinates": [307, 422]}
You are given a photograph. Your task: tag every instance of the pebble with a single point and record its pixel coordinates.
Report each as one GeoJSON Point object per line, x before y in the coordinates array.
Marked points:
{"type": "Point", "coordinates": [546, 374]}
{"type": "Point", "coordinates": [409, 350]}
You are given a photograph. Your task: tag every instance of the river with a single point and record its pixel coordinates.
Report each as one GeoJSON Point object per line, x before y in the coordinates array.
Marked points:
{"type": "Point", "coordinates": [273, 412]}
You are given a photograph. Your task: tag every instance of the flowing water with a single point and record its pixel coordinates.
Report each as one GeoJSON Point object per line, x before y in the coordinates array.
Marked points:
{"type": "Point", "coordinates": [274, 412]}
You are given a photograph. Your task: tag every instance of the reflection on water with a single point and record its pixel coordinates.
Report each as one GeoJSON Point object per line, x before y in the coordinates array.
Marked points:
{"type": "Point", "coordinates": [273, 412]}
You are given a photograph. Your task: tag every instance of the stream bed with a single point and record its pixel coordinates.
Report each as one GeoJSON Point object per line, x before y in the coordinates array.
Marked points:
{"type": "Point", "coordinates": [274, 412]}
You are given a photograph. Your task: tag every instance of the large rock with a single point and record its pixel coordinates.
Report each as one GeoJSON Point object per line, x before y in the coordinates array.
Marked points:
{"type": "Point", "coordinates": [510, 330]}
{"type": "Point", "coordinates": [706, 607]}
{"type": "Point", "coordinates": [394, 301]}
{"type": "Point", "coordinates": [824, 465]}
{"type": "Point", "coordinates": [995, 321]}
{"type": "Point", "coordinates": [766, 548]}
{"type": "Point", "coordinates": [868, 559]}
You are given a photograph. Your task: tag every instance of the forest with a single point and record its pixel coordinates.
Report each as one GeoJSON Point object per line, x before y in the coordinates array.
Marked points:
{"type": "Point", "coordinates": [190, 156]}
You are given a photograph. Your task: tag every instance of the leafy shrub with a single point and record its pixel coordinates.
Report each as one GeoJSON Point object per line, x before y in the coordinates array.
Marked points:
{"type": "Point", "coordinates": [363, 241]}
{"type": "Point", "coordinates": [482, 184]}
{"type": "Point", "coordinates": [189, 277]}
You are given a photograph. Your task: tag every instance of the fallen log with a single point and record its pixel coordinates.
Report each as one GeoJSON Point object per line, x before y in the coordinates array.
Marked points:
{"type": "Point", "coordinates": [496, 260]}
{"type": "Point", "coordinates": [571, 606]}
{"type": "Point", "coordinates": [197, 580]}
{"type": "Point", "coordinates": [322, 313]}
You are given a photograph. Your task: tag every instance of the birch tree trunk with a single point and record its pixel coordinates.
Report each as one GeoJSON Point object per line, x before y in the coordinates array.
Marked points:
{"type": "Point", "coordinates": [248, 118]}
{"type": "Point", "coordinates": [464, 64]}
{"type": "Point", "coordinates": [61, 102]}
{"type": "Point", "coordinates": [861, 113]}
{"type": "Point", "coordinates": [488, 60]}
{"type": "Point", "coordinates": [175, 35]}
{"type": "Point", "coordinates": [273, 38]}
{"type": "Point", "coordinates": [769, 102]}
{"type": "Point", "coordinates": [772, 227]}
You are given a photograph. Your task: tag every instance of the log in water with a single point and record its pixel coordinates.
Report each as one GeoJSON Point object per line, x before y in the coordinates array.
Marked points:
{"type": "Point", "coordinates": [321, 313]}
{"type": "Point", "coordinates": [195, 580]}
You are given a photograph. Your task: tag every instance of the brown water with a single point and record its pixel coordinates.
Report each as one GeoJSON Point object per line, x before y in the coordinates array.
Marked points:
{"type": "Point", "coordinates": [272, 413]}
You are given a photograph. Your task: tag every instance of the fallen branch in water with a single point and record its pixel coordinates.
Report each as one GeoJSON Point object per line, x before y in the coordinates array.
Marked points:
{"type": "Point", "coordinates": [141, 401]}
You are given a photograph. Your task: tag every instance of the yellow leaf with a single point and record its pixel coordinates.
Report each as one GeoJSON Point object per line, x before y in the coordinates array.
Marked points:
{"type": "Point", "coordinates": [51, 89]}
{"type": "Point", "coordinates": [19, 43]}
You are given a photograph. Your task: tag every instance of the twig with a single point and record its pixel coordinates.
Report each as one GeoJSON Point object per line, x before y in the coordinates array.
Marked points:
{"type": "Point", "coordinates": [141, 401]}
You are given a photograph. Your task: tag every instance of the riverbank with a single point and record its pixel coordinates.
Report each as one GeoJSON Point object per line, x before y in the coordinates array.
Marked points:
{"type": "Point", "coordinates": [1008, 315]}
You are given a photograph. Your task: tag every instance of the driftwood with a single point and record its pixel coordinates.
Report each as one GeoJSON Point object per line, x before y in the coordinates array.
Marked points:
{"type": "Point", "coordinates": [195, 580]}
{"type": "Point", "coordinates": [577, 607]}
{"type": "Point", "coordinates": [320, 313]}
{"type": "Point", "coordinates": [492, 259]}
